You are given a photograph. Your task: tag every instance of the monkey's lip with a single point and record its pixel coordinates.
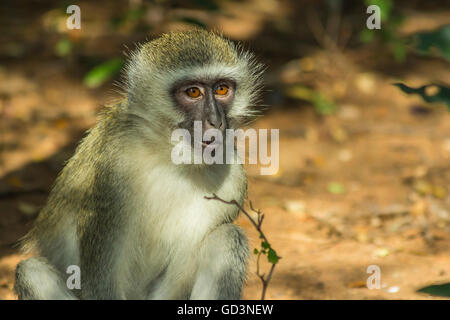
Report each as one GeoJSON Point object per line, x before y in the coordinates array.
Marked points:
{"type": "Point", "coordinates": [205, 144]}
{"type": "Point", "coordinates": [212, 142]}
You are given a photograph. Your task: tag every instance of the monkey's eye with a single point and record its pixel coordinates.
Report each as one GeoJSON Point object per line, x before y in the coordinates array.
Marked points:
{"type": "Point", "coordinates": [193, 92]}
{"type": "Point", "coordinates": [222, 90]}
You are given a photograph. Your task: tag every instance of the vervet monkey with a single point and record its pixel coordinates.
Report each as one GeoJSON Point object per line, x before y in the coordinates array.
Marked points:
{"type": "Point", "coordinates": [137, 225]}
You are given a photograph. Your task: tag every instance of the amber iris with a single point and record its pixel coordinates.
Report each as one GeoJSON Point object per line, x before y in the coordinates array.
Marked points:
{"type": "Point", "coordinates": [193, 92]}
{"type": "Point", "coordinates": [222, 90]}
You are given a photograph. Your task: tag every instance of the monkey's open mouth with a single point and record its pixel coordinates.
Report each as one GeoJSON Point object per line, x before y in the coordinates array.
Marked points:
{"type": "Point", "coordinates": [214, 142]}
{"type": "Point", "coordinates": [206, 143]}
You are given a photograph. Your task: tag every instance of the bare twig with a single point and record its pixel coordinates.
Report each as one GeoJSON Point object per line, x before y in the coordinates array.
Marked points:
{"type": "Point", "coordinates": [265, 245]}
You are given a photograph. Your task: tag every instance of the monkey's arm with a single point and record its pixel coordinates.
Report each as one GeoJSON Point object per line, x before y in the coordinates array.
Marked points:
{"type": "Point", "coordinates": [102, 210]}
{"type": "Point", "coordinates": [102, 229]}
{"type": "Point", "coordinates": [223, 261]}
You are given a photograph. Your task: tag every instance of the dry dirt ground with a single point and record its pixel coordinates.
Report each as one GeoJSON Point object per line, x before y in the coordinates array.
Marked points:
{"type": "Point", "coordinates": [368, 185]}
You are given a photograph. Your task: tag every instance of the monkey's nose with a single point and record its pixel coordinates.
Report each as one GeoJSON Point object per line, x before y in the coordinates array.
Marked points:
{"type": "Point", "coordinates": [216, 124]}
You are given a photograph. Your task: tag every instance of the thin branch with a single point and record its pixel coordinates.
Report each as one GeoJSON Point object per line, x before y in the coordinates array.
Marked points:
{"type": "Point", "coordinates": [257, 224]}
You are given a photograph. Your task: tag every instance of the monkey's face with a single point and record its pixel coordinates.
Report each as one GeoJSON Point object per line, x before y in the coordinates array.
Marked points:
{"type": "Point", "coordinates": [185, 78]}
{"type": "Point", "coordinates": [206, 101]}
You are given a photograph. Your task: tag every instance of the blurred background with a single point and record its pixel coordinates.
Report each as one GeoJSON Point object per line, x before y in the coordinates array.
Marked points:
{"type": "Point", "coordinates": [363, 116]}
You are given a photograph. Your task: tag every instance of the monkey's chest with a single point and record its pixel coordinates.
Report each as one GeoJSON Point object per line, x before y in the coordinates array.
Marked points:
{"type": "Point", "coordinates": [171, 221]}
{"type": "Point", "coordinates": [175, 209]}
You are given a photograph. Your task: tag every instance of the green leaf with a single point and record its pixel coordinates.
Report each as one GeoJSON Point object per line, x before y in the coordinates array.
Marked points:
{"type": "Point", "coordinates": [321, 104]}
{"type": "Point", "coordinates": [399, 50]}
{"type": "Point", "coordinates": [129, 16]}
{"type": "Point", "coordinates": [272, 256]}
{"type": "Point", "coordinates": [336, 188]}
{"type": "Point", "coordinates": [366, 35]}
{"type": "Point", "coordinates": [385, 7]}
{"type": "Point", "coordinates": [300, 92]}
{"type": "Point", "coordinates": [442, 290]}
{"type": "Point", "coordinates": [442, 93]}
{"type": "Point", "coordinates": [265, 245]}
{"type": "Point", "coordinates": [63, 47]}
{"type": "Point", "coordinates": [255, 251]}
{"type": "Point", "coordinates": [437, 40]}
{"type": "Point", "coordinates": [102, 73]}
{"type": "Point", "coordinates": [134, 14]}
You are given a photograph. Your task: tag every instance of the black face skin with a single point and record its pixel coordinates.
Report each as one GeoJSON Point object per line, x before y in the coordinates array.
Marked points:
{"type": "Point", "coordinates": [207, 101]}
